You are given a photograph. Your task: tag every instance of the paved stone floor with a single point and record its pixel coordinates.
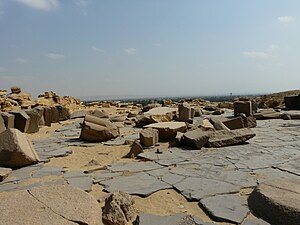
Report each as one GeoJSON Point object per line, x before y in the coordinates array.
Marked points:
{"type": "Point", "coordinates": [215, 177]}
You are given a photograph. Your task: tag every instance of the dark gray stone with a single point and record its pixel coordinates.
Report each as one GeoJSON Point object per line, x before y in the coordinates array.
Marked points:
{"type": "Point", "coordinates": [9, 119]}
{"type": "Point", "coordinates": [48, 116]}
{"type": "Point", "coordinates": [22, 120]}
{"type": "Point", "coordinates": [2, 125]}
{"type": "Point", "coordinates": [225, 208]}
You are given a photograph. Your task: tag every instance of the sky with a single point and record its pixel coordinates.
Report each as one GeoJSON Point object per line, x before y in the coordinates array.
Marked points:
{"type": "Point", "coordinates": [125, 48]}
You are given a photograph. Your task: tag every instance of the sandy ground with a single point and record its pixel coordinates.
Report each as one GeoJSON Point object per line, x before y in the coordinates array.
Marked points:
{"type": "Point", "coordinates": [165, 202]}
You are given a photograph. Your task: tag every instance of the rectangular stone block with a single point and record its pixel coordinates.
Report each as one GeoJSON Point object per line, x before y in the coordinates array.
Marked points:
{"type": "Point", "coordinates": [234, 123]}
{"type": "Point", "coordinates": [291, 102]}
{"type": "Point", "coordinates": [9, 119]}
{"type": "Point", "coordinates": [48, 116]}
{"type": "Point", "coordinates": [54, 114]}
{"type": "Point", "coordinates": [35, 117]}
{"type": "Point", "coordinates": [149, 137]}
{"type": "Point", "coordinates": [243, 107]}
{"type": "Point", "coordinates": [2, 125]}
{"type": "Point", "coordinates": [64, 113]}
{"type": "Point", "coordinates": [22, 120]}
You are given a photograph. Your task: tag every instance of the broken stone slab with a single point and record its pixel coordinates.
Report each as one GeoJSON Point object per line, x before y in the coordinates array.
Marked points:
{"type": "Point", "coordinates": [34, 121]}
{"type": "Point", "coordinates": [116, 142]}
{"type": "Point", "coordinates": [95, 129]}
{"type": "Point", "coordinates": [47, 171]}
{"type": "Point", "coordinates": [22, 120]}
{"type": "Point", "coordinates": [79, 114]}
{"type": "Point", "coordinates": [156, 115]}
{"type": "Point", "coordinates": [9, 119]}
{"type": "Point", "coordinates": [177, 219]}
{"type": "Point", "coordinates": [119, 209]}
{"type": "Point", "coordinates": [223, 138]}
{"type": "Point", "coordinates": [196, 138]}
{"type": "Point", "coordinates": [225, 208]}
{"type": "Point", "coordinates": [218, 124]}
{"type": "Point", "coordinates": [82, 182]}
{"type": "Point", "coordinates": [100, 113]}
{"type": "Point", "coordinates": [149, 137]}
{"type": "Point", "coordinates": [196, 188]}
{"type": "Point", "coordinates": [266, 114]}
{"type": "Point", "coordinates": [234, 123]}
{"type": "Point", "coordinates": [135, 150]}
{"type": "Point", "coordinates": [63, 200]}
{"type": "Point", "coordinates": [168, 130]}
{"type": "Point", "coordinates": [134, 166]}
{"type": "Point", "coordinates": [16, 149]}
{"type": "Point", "coordinates": [141, 184]}
{"type": "Point", "coordinates": [4, 172]}
{"type": "Point", "coordinates": [277, 201]}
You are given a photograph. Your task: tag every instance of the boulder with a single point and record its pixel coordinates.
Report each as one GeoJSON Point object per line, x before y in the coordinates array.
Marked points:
{"type": "Point", "coordinates": [95, 129]}
{"type": "Point", "coordinates": [149, 137]}
{"type": "Point", "coordinates": [243, 107]}
{"type": "Point", "coordinates": [34, 121]}
{"type": "Point", "coordinates": [15, 90]}
{"type": "Point", "coordinates": [9, 119]}
{"type": "Point", "coordinates": [136, 148]}
{"type": "Point", "coordinates": [221, 138]}
{"type": "Point", "coordinates": [156, 115]}
{"type": "Point", "coordinates": [119, 209]}
{"type": "Point", "coordinates": [196, 138]}
{"type": "Point", "coordinates": [22, 120]}
{"type": "Point", "coordinates": [277, 201]}
{"type": "Point", "coordinates": [16, 150]}
{"type": "Point", "coordinates": [168, 130]}
{"type": "Point", "coordinates": [186, 112]}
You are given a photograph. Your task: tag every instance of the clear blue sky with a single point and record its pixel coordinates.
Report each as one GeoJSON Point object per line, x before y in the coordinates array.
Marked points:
{"type": "Point", "coordinates": [150, 47]}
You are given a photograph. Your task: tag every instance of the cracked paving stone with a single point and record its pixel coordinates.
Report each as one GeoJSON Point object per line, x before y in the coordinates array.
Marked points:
{"type": "Point", "coordinates": [115, 142]}
{"type": "Point", "coordinates": [198, 188]}
{"type": "Point", "coordinates": [225, 208]}
{"type": "Point", "coordinates": [134, 166]}
{"type": "Point", "coordinates": [255, 221]}
{"type": "Point", "coordinates": [48, 171]}
{"type": "Point", "coordinates": [177, 219]}
{"type": "Point", "coordinates": [292, 166]}
{"type": "Point", "coordinates": [141, 184]}
{"type": "Point", "coordinates": [272, 173]}
{"type": "Point", "coordinates": [105, 175]}
{"type": "Point", "coordinates": [79, 179]}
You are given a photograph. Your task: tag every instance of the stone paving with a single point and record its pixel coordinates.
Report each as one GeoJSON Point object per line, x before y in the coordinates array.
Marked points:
{"type": "Point", "coordinates": [213, 177]}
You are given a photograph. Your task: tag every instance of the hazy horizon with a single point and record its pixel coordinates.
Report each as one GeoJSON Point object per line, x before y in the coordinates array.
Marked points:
{"type": "Point", "coordinates": [88, 48]}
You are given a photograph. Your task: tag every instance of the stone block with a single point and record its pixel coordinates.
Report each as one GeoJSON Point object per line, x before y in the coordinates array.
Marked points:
{"type": "Point", "coordinates": [196, 138]}
{"type": "Point", "coordinates": [243, 107]}
{"type": "Point", "coordinates": [48, 116]}
{"type": "Point", "coordinates": [186, 112]}
{"type": "Point", "coordinates": [9, 119]}
{"type": "Point", "coordinates": [149, 137]}
{"type": "Point", "coordinates": [54, 114]}
{"type": "Point", "coordinates": [64, 113]}
{"type": "Point", "coordinates": [35, 118]}
{"type": "Point", "coordinates": [2, 125]}
{"type": "Point", "coordinates": [291, 102]}
{"type": "Point", "coordinates": [168, 130]}
{"type": "Point", "coordinates": [22, 120]}
{"type": "Point", "coordinates": [234, 123]}
{"type": "Point", "coordinates": [16, 150]}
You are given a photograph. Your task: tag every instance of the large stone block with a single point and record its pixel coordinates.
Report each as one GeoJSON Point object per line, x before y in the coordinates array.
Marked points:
{"type": "Point", "coordinates": [16, 150]}
{"type": "Point", "coordinates": [22, 120]}
{"type": "Point", "coordinates": [196, 138]}
{"type": "Point", "coordinates": [95, 129]}
{"type": "Point", "coordinates": [35, 118]}
{"type": "Point", "coordinates": [9, 119]}
{"type": "Point", "coordinates": [149, 137]}
{"type": "Point", "coordinates": [291, 102]}
{"type": "Point", "coordinates": [48, 116]}
{"type": "Point", "coordinates": [277, 201]}
{"type": "Point", "coordinates": [2, 125]}
{"type": "Point", "coordinates": [63, 112]}
{"type": "Point", "coordinates": [186, 112]}
{"type": "Point", "coordinates": [243, 107]}
{"type": "Point", "coordinates": [168, 130]}
{"type": "Point", "coordinates": [54, 114]}
{"type": "Point", "coordinates": [234, 123]}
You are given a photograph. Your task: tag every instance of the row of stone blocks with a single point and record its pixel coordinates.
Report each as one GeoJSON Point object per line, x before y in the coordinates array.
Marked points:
{"type": "Point", "coordinates": [29, 121]}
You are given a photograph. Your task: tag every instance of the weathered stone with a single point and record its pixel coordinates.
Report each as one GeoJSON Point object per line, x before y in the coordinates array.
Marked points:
{"type": "Point", "coordinates": [119, 209]}
{"type": "Point", "coordinates": [78, 114]}
{"type": "Point", "coordinates": [234, 123]}
{"type": "Point", "coordinates": [186, 112]}
{"type": "Point", "coordinates": [95, 129]}
{"type": "Point", "coordinates": [250, 122]}
{"type": "Point", "coordinates": [48, 116]}
{"type": "Point", "coordinates": [265, 114]}
{"type": "Point", "coordinates": [64, 200]}
{"type": "Point", "coordinates": [196, 138]}
{"type": "Point", "coordinates": [151, 106]}
{"type": "Point", "coordinates": [156, 115]}
{"type": "Point", "coordinates": [16, 150]}
{"type": "Point", "coordinates": [177, 141]}
{"type": "Point", "coordinates": [9, 119]}
{"type": "Point", "coordinates": [286, 116]}
{"type": "Point", "coordinates": [136, 148]}
{"type": "Point", "coordinates": [243, 107]}
{"type": "Point", "coordinates": [100, 113]}
{"type": "Point", "coordinates": [4, 172]}
{"type": "Point", "coordinates": [226, 208]}
{"type": "Point", "coordinates": [218, 124]}
{"type": "Point", "coordinates": [292, 102]}
{"type": "Point", "coordinates": [177, 219]}
{"type": "Point", "coordinates": [54, 114]}
{"type": "Point", "coordinates": [205, 125]}
{"type": "Point", "coordinates": [118, 118]}
{"type": "Point", "coordinates": [277, 201]}
{"type": "Point", "coordinates": [15, 90]}
{"type": "Point", "coordinates": [34, 121]}
{"type": "Point", "coordinates": [41, 113]}
{"type": "Point", "coordinates": [149, 137]}
{"type": "Point", "coordinates": [2, 125]}
{"type": "Point", "coordinates": [63, 112]}
{"type": "Point", "coordinates": [22, 120]}
{"type": "Point", "coordinates": [168, 130]}
{"type": "Point", "coordinates": [222, 138]}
